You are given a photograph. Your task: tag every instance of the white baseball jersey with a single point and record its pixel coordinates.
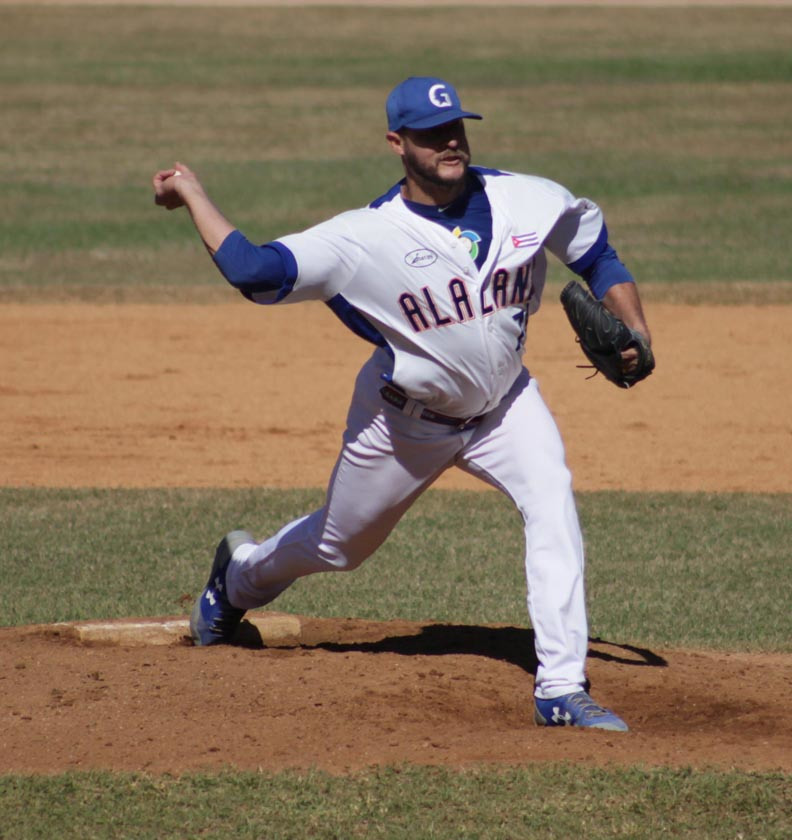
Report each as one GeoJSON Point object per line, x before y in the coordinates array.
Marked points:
{"type": "Point", "coordinates": [454, 332]}
{"type": "Point", "coordinates": [450, 335]}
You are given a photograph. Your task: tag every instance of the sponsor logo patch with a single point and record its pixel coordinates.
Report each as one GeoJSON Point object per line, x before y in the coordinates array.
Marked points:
{"type": "Point", "coordinates": [421, 258]}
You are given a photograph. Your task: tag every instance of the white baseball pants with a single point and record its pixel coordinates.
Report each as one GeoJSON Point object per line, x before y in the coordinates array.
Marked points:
{"type": "Point", "coordinates": [388, 459]}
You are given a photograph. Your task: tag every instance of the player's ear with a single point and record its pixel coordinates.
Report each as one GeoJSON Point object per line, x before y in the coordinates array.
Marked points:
{"type": "Point", "coordinates": [396, 142]}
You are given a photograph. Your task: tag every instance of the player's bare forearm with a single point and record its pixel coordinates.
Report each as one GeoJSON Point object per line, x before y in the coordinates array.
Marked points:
{"type": "Point", "coordinates": [179, 187]}
{"type": "Point", "coordinates": [624, 302]}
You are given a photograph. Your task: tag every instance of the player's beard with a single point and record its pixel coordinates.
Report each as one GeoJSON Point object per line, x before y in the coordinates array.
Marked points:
{"type": "Point", "coordinates": [431, 174]}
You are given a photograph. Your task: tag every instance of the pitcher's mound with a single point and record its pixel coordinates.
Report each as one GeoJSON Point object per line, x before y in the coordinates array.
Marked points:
{"type": "Point", "coordinates": [341, 694]}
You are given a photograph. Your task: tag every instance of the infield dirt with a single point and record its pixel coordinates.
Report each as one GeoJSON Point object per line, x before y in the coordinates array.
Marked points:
{"type": "Point", "coordinates": [233, 395]}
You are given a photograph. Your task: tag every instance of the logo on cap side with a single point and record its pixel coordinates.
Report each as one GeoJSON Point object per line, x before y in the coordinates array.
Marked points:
{"type": "Point", "coordinates": [439, 97]}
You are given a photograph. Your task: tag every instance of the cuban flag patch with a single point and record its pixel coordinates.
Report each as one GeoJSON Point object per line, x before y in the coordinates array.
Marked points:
{"type": "Point", "coordinates": [525, 240]}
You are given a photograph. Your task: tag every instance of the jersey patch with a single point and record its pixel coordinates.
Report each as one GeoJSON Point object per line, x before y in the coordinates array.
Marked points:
{"type": "Point", "coordinates": [470, 239]}
{"type": "Point", "coordinates": [420, 258]}
{"type": "Point", "coordinates": [525, 240]}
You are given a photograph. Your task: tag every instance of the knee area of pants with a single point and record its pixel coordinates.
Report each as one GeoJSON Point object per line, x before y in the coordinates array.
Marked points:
{"type": "Point", "coordinates": [552, 497]}
{"type": "Point", "coordinates": [555, 482]}
{"type": "Point", "coordinates": [339, 561]}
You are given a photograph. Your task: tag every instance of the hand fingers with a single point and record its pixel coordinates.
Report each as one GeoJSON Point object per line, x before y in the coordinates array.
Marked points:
{"type": "Point", "coordinates": [629, 359]}
{"type": "Point", "coordinates": [163, 175]}
{"type": "Point", "coordinates": [165, 191]}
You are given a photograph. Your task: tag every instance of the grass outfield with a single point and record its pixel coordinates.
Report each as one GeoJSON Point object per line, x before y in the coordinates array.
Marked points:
{"type": "Point", "coordinates": [406, 803]}
{"type": "Point", "coordinates": [673, 119]}
{"type": "Point", "coordinates": [455, 557]}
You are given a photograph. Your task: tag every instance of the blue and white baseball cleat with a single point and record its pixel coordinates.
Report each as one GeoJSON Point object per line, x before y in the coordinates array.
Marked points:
{"type": "Point", "coordinates": [214, 620]}
{"type": "Point", "coordinates": [577, 709]}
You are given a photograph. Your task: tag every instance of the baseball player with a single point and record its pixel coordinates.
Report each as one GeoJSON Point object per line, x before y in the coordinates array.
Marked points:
{"type": "Point", "coordinates": [440, 274]}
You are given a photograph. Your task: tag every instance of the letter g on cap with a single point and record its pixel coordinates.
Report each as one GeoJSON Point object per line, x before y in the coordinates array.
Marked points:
{"type": "Point", "coordinates": [439, 97]}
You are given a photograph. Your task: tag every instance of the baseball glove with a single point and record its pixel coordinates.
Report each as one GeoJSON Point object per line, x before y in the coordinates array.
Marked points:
{"type": "Point", "coordinates": [603, 337]}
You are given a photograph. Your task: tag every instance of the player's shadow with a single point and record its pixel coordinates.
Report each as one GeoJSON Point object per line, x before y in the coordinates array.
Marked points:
{"type": "Point", "coordinates": [506, 644]}
{"type": "Point", "coordinates": [514, 645]}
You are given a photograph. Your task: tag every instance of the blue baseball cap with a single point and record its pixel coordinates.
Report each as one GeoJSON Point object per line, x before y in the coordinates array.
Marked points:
{"type": "Point", "coordinates": [424, 102]}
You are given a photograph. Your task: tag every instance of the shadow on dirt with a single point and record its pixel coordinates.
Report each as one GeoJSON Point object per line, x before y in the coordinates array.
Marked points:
{"type": "Point", "coordinates": [514, 645]}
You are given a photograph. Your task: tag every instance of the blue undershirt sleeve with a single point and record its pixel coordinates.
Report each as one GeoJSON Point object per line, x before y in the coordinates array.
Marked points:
{"type": "Point", "coordinates": [262, 273]}
{"type": "Point", "coordinates": [601, 267]}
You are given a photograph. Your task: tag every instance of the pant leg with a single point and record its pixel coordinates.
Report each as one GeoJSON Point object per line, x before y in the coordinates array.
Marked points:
{"type": "Point", "coordinates": [387, 460]}
{"type": "Point", "coordinates": [518, 449]}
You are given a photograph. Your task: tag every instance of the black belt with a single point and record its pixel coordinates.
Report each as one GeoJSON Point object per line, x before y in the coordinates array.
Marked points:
{"type": "Point", "coordinates": [400, 400]}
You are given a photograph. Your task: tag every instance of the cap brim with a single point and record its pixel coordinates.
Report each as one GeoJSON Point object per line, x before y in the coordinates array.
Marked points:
{"type": "Point", "coordinates": [441, 119]}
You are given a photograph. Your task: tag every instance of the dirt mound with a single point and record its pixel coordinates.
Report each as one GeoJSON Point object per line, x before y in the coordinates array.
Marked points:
{"type": "Point", "coordinates": [357, 693]}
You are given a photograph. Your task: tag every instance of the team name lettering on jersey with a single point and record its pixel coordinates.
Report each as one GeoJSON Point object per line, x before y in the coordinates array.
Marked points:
{"type": "Point", "coordinates": [431, 309]}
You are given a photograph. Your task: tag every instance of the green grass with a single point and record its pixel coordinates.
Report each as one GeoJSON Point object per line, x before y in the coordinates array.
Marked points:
{"type": "Point", "coordinates": [401, 803]}
{"type": "Point", "coordinates": [673, 119]}
{"type": "Point", "coordinates": [455, 557]}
